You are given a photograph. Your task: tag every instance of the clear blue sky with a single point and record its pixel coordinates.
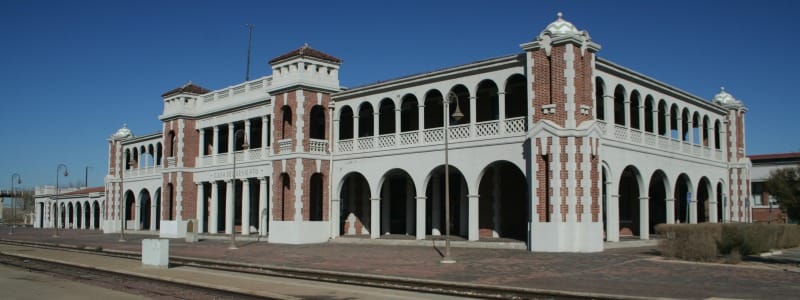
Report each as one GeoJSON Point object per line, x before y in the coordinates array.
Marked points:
{"type": "Point", "coordinates": [72, 72]}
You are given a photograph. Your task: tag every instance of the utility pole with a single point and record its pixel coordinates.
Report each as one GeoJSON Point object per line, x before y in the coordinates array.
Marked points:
{"type": "Point", "coordinates": [249, 45]}
{"type": "Point", "coordinates": [86, 177]}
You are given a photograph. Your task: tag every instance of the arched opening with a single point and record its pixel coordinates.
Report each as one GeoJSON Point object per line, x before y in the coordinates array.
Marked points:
{"type": "Point", "coordinates": [222, 139]}
{"type": "Point", "coordinates": [316, 129]}
{"type": "Point", "coordinates": [721, 217]}
{"type": "Point", "coordinates": [144, 210]}
{"type": "Point", "coordinates": [128, 157]}
{"type": "Point", "coordinates": [346, 123]}
{"type": "Point", "coordinates": [255, 194]}
{"type": "Point", "coordinates": [65, 215]}
{"type": "Point", "coordinates": [599, 101]}
{"type": "Point", "coordinates": [96, 213]}
{"type": "Point", "coordinates": [716, 135]}
{"type": "Point", "coordinates": [286, 198]}
{"type": "Point", "coordinates": [629, 193]}
{"type": "Point", "coordinates": [487, 102]}
{"type": "Point", "coordinates": [150, 156]}
{"type": "Point", "coordinates": [157, 215]}
{"type": "Point", "coordinates": [171, 143]}
{"type": "Point", "coordinates": [398, 203]}
{"type": "Point", "coordinates": [355, 206]}
{"type": "Point", "coordinates": [435, 192]}
{"type": "Point", "coordinates": [463, 101]}
{"type": "Point", "coordinates": [256, 126]}
{"type": "Point", "coordinates": [516, 97]}
{"type": "Point", "coordinates": [634, 108]}
{"type": "Point", "coordinates": [674, 120]}
{"type": "Point", "coordinates": [682, 195]}
{"type": "Point", "coordinates": [87, 215]}
{"type": "Point", "coordinates": [78, 216]}
{"type": "Point", "coordinates": [135, 162]}
{"type": "Point", "coordinates": [286, 123]}
{"type": "Point", "coordinates": [685, 125]}
{"type": "Point", "coordinates": [130, 205]}
{"type": "Point", "coordinates": [409, 113]}
{"type": "Point", "coordinates": [503, 204]}
{"type": "Point", "coordinates": [696, 128]}
{"type": "Point", "coordinates": [159, 154]}
{"type": "Point", "coordinates": [703, 200]}
{"type": "Point", "coordinates": [315, 209]}
{"type": "Point", "coordinates": [170, 201]}
{"type": "Point", "coordinates": [365, 120]}
{"type": "Point", "coordinates": [619, 105]}
{"type": "Point", "coordinates": [604, 195]}
{"type": "Point", "coordinates": [434, 109]}
{"type": "Point", "coordinates": [657, 192]}
{"type": "Point", "coordinates": [222, 192]}
{"type": "Point", "coordinates": [662, 118]}
{"type": "Point", "coordinates": [386, 117]}
{"type": "Point", "coordinates": [706, 131]}
{"type": "Point", "coordinates": [648, 113]}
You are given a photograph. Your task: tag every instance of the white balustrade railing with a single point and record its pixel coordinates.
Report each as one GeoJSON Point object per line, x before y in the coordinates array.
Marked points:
{"type": "Point", "coordinates": [488, 128]}
{"type": "Point", "coordinates": [386, 140]}
{"type": "Point", "coordinates": [515, 125]}
{"type": "Point", "coordinates": [620, 133]}
{"type": "Point", "coordinates": [459, 132]}
{"type": "Point", "coordinates": [650, 139]}
{"type": "Point", "coordinates": [238, 156]}
{"type": "Point", "coordinates": [285, 145]}
{"type": "Point", "coordinates": [602, 126]}
{"type": "Point", "coordinates": [318, 146]}
{"type": "Point", "coordinates": [222, 158]}
{"type": "Point", "coordinates": [207, 160]}
{"type": "Point", "coordinates": [433, 135]}
{"type": "Point", "coordinates": [636, 136]}
{"type": "Point", "coordinates": [366, 143]}
{"type": "Point", "coordinates": [254, 154]}
{"type": "Point", "coordinates": [409, 138]}
{"type": "Point", "coordinates": [345, 146]}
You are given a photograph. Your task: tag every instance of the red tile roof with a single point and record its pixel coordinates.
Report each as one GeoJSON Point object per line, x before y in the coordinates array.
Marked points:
{"type": "Point", "coordinates": [98, 189]}
{"type": "Point", "coordinates": [776, 156]}
{"type": "Point", "coordinates": [189, 88]}
{"type": "Point", "coordinates": [306, 51]}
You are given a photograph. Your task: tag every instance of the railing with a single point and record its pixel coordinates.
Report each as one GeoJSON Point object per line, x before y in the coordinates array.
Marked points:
{"type": "Point", "coordinates": [386, 140]}
{"type": "Point", "coordinates": [433, 135]}
{"type": "Point", "coordinates": [662, 143]}
{"type": "Point", "coordinates": [222, 158]}
{"type": "Point", "coordinates": [620, 132]}
{"type": "Point", "coordinates": [285, 145]}
{"type": "Point", "coordinates": [489, 128]}
{"type": "Point", "coordinates": [409, 138]}
{"type": "Point", "coordinates": [171, 162]}
{"type": "Point", "coordinates": [254, 154]}
{"type": "Point", "coordinates": [459, 132]}
{"type": "Point", "coordinates": [366, 143]}
{"type": "Point", "coordinates": [318, 146]}
{"type": "Point", "coordinates": [345, 146]}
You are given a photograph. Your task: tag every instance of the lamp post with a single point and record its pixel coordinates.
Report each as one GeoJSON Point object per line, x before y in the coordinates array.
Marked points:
{"type": "Point", "coordinates": [457, 115]}
{"type": "Point", "coordinates": [55, 216]}
{"type": "Point", "coordinates": [233, 184]}
{"type": "Point", "coordinates": [14, 201]}
{"type": "Point", "coordinates": [122, 203]}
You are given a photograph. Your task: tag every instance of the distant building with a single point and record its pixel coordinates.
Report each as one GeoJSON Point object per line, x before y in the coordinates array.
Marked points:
{"type": "Point", "coordinates": [765, 206]}
{"type": "Point", "coordinates": [77, 208]}
{"type": "Point", "coordinates": [556, 147]}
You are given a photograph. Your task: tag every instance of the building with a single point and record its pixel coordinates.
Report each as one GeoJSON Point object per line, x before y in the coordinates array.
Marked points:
{"type": "Point", "coordinates": [765, 206]}
{"type": "Point", "coordinates": [553, 146]}
{"type": "Point", "coordinates": [77, 208]}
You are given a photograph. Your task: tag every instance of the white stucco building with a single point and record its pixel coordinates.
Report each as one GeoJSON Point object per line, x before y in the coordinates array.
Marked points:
{"type": "Point", "coordinates": [557, 147]}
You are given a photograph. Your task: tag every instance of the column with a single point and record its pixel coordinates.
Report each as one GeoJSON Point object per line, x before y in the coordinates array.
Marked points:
{"type": "Point", "coordinates": [201, 145]}
{"type": "Point", "coordinates": [355, 131]}
{"type": "Point", "coordinates": [201, 207]}
{"type": "Point", "coordinates": [472, 115]}
{"type": "Point", "coordinates": [421, 201]}
{"type": "Point", "coordinates": [336, 220]}
{"type": "Point", "coordinates": [654, 114]}
{"type": "Point", "coordinates": [501, 112]}
{"type": "Point", "coordinates": [213, 214]}
{"type": "Point", "coordinates": [386, 209]}
{"type": "Point", "coordinates": [668, 124]}
{"type": "Point", "coordinates": [644, 218]}
{"type": "Point", "coordinates": [670, 210]}
{"type": "Point", "coordinates": [679, 120]}
{"type": "Point", "coordinates": [421, 123]}
{"type": "Point", "coordinates": [693, 209]}
{"type": "Point", "coordinates": [263, 210]}
{"type": "Point", "coordinates": [230, 142]}
{"type": "Point", "coordinates": [691, 131]}
{"type": "Point", "coordinates": [264, 140]}
{"type": "Point", "coordinates": [397, 124]}
{"type": "Point", "coordinates": [230, 186]}
{"type": "Point", "coordinates": [612, 220]}
{"type": "Point", "coordinates": [246, 136]}
{"type": "Point", "coordinates": [137, 214]}
{"type": "Point", "coordinates": [375, 217]}
{"type": "Point", "coordinates": [608, 109]}
{"type": "Point", "coordinates": [215, 140]}
{"type": "Point", "coordinates": [91, 216]}
{"type": "Point", "coordinates": [472, 222]}
{"type": "Point", "coordinates": [245, 206]}
{"type": "Point", "coordinates": [153, 214]}
{"type": "Point", "coordinates": [642, 126]}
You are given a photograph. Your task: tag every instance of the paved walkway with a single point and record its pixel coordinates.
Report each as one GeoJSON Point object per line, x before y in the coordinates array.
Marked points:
{"type": "Point", "coordinates": [632, 271]}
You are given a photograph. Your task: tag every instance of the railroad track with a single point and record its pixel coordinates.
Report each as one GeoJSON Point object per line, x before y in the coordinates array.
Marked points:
{"type": "Point", "coordinates": [389, 282]}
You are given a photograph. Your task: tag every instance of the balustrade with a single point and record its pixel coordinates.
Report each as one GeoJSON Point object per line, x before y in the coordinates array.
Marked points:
{"type": "Point", "coordinates": [285, 145]}
{"type": "Point", "coordinates": [318, 146]}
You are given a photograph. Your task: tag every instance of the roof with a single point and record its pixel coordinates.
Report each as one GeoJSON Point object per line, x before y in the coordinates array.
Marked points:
{"type": "Point", "coordinates": [306, 51]}
{"type": "Point", "coordinates": [98, 189]}
{"type": "Point", "coordinates": [775, 157]}
{"type": "Point", "coordinates": [189, 88]}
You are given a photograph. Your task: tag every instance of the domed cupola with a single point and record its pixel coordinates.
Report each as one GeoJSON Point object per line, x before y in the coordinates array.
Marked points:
{"type": "Point", "coordinates": [122, 134]}
{"type": "Point", "coordinates": [725, 99]}
{"type": "Point", "coordinates": [560, 27]}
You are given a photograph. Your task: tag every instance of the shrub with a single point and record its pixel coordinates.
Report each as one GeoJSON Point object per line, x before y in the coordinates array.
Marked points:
{"type": "Point", "coordinates": [696, 242]}
{"type": "Point", "coordinates": [708, 241]}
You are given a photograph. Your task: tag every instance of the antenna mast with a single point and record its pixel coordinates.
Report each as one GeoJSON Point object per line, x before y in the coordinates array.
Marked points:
{"type": "Point", "coordinates": [249, 45]}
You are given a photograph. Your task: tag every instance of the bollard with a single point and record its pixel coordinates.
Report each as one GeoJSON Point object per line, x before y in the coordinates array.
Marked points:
{"type": "Point", "coordinates": [155, 253]}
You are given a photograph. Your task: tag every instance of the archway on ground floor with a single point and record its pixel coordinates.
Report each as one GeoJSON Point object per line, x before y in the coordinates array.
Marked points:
{"type": "Point", "coordinates": [78, 216]}
{"type": "Point", "coordinates": [503, 204]}
{"type": "Point", "coordinates": [683, 188]}
{"type": "Point", "coordinates": [657, 192]}
{"type": "Point", "coordinates": [63, 221]}
{"type": "Point", "coordinates": [87, 215]}
{"type": "Point", "coordinates": [398, 203]}
{"type": "Point", "coordinates": [96, 213]}
{"type": "Point", "coordinates": [604, 198]}
{"type": "Point", "coordinates": [237, 205]}
{"type": "Point", "coordinates": [703, 200]}
{"type": "Point", "coordinates": [721, 216]}
{"type": "Point", "coordinates": [435, 193]}
{"type": "Point", "coordinates": [130, 202]}
{"type": "Point", "coordinates": [315, 198]}
{"type": "Point", "coordinates": [255, 196]}
{"type": "Point", "coordinates": [355, 208]}
{"type": "Point", "coordinates": [41, 215]}
{"type": "Point", "coordinates": [70, 213]}
{"type": "Point", "coordinates": [630, 184]}
{"type": "Point", "coordinates": [157, 196]}
{"type": "Point", "coordinates": [222, 191]}
{"type": "Point", "coordinates": [144, 210]}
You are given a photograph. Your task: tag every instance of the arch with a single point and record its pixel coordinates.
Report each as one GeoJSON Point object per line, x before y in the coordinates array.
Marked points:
{"type": "Point", "coordinates": [355, 217]}
{"type": "Point", "coordinates": [696, 128]}
{"type": "Point", "coordinates": [398, 203]}
{"type": "Point", "coordinates": [409, 113]}
{"type": "Point", "coordinates": [130, 205]}
{"type": "Point", "coordinates": [346, 123]}
{"type": "Point", "coordinates": [704, 195]}
{"type": "Point", "coordinates": [503, 202]}
{"type": "Point", "coordinates": [316, 129]}
{"type": "Point", "coordinates": [365, 120]}
{"type": "Point", "coordinates": [683, 189]}
{"type": "Point", "coordinates": [135, 162]}
{"type": "Point", "coordinates": [78, 218]}
{"type": "Point", "coordinates": [487, 101]}
{"type": "Point", "coordinates": [599, 98]}
{"type": "Point", "coordinates": [685, 115]}
{"type": "Point", "coordinates": [157, 195]}
{"type": "Point", "coordinates": [170, 201]}
{"type": "Point", "coordinates": [435, 192]}
{"type": "Point", "coordinates": [96, 213]}
{"type": "Point", "coordinates": [605, 176]}
{"type": "Point", "coordinates": [434, 109]}
{"type": "Point", "coordinates": [386, 116]}
{"type": "Point", "coordinates": [662, 118]}
{"type": "Point", "coordinates": [634, 109]}
{"type": "Point", "coordinates": [721, 216]}
{"type": "Point", "coordinates": [516, 96]}
{"type": "Point", "coordinates": [717, 135]}
{"type": "Point", "coordinates": [144, 209]}
{"type": "Point", "coordinates": [619, 105]}
{"type": "Point", "coordinates": [127, 162]}
{"type": "Point", "coordinates": [286, 123]}
{"type": "Point", "coordinates": [649, 107]}
{"type": "Point", "coordinates": [286, 198]}
{"type": "Point", "coordinates": [464, 102]}
{"type": "Point", "coordinates": [658, 192]}
{"type": "Point", "coordinates": [159, 153]}
{"type": "Point", "coordinates": [316, 190]}
{"type": "Point", "coordinates": [87, 215]}
{"type": "Point", "coordinates": [706, 130]}
{"type": "Point", "coordinates": [630, 191]}
{"type": "Point", "coordinates": [674, 121]}
{"type": "Point", "coordinates": [171, 143]}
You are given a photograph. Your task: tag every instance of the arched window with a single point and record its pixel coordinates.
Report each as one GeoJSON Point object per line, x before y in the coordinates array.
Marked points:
{"type": "Point", "coordinates": [346, 123]}
{"type": "Point", "coordinates": [599, 101]}
{"type": "Point", "coordinates": [706, 131]}
{"type": "Point", "coordinates": [662, 118]}
{"type": "Point", "coordinates": [365, 120]}
{"type": "Point", "coordinates": [674, 118]}
{"type": "Point", "coordinates": [386, 116]}
{"type": "Point", "coordinates": [433, 109]}
{"type": "Point", "coordinates": [159, 153]}
{"type": "Point", "coordinates": [127, 160]}
{"type": "Point", "coordinates": [634, 107]}
{"type": "Point", "coordinates": [409, 113]}
{"type": "Point", "coordinates": [685, 124]}
{"type": "Point", "coordinates": [171, 143]}
{"type": "Point", "coordinates": [516, 97]}
{"type": "Point", "coordinates": [463, 101]}
{"type": "Point", "coordinates": [487, 102]}
{"type": "Point", "coordinates": [317, 126]}
{"type": "Point", "coordinates": [717, 142]}
{"type": "Point", "coordinates": [696, 128]}
{"type": "Point", "coordinates": [286, 123]}
{"type": "Point", "coordinates": [648, 113]}
{"type": "Point", "coordinates": [619, 105]}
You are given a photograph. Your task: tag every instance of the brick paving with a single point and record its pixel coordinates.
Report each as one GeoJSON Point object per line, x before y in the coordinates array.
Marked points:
{"type": "Point", "coordinates": [636, 271]}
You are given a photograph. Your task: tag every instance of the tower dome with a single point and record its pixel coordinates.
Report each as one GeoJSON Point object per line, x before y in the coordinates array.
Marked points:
{"type": "Point", "coordinates": [122, 133]}
{"type": "Point", "coordinates": [560, 27]}
{"type": "Point", "coordinates": [725, 98]}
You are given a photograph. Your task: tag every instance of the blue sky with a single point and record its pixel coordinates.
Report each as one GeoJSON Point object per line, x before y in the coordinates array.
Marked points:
{"type": "Point", "coordinates": [72, 72]}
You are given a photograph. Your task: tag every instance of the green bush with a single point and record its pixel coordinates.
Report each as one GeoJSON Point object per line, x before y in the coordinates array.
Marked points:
{"type": "Point", "coordinates": [709, 241]}
{"type": "Point", "coordinates": [696, 242]}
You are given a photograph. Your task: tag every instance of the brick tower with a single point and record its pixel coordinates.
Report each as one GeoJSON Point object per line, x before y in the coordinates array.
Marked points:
{"type": "Point", "coordinates": [737, 208]}
{"type": "Point", "coordinates": [564, 141]}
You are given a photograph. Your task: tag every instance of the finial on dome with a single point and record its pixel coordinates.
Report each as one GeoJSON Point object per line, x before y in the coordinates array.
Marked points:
{"type": "Point", "coordinates": [559, 14]}
{"type": "Point", "coordinates": [722, 89]}
{"type": "Point", "coordinates": [122, 133]}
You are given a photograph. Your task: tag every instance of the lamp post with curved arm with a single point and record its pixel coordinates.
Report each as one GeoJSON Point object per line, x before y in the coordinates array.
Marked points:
{"type": "Point", "coordinates": [55, 216]}
{"type": "Point", "coordinates": [245, 146]}
{"type": "Point", "coordinates": [457, 115]}
{"type": "Point", "coordinates": [14, 201]}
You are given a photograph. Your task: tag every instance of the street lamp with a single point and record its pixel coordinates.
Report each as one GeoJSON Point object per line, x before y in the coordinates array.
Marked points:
{"type": "Point", "coordinates": [55, 216]}
{"type": "Point", "coordinates": [457, 115]}
{"type": "Point", "coordinates": [233, 184]}
{"type": "Point", "coordinates": [14, 201]}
